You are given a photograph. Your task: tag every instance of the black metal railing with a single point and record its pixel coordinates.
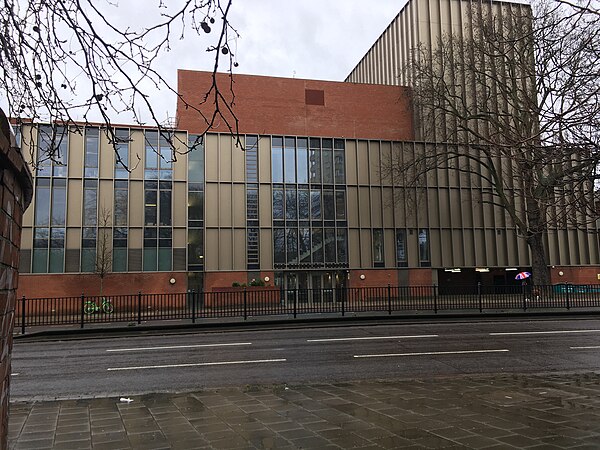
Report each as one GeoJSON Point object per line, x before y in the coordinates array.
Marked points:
{"type": "Point", "coordinates": [269, 301]}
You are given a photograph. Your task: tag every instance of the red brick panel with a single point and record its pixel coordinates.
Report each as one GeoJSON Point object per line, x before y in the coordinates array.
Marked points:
{"type": "Point", "coordinates": [286, 106]}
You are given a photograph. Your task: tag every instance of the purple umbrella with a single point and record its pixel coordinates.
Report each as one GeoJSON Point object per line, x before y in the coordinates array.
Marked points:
{"type": "Point", "coordinates": [522, 275]}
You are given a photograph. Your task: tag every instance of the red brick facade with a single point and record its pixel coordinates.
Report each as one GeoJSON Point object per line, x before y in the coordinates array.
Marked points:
{"type": "Point", "coordinates": [74, 284]}
{"type": "Point", "coordinates": [15, 196]}
{"type": "Point", "coordinates": [289, 106]}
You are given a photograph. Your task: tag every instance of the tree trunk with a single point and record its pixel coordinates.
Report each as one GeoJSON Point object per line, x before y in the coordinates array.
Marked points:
{"type": "Point", "coordinates": [539, 265]}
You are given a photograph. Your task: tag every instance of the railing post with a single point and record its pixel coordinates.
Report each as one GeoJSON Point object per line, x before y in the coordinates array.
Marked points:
{"type": "Point", "coordinates": [82, 310]}
{"type": "Point", "coordinates": [139, 319]}
{"type": "Point", "coordinates": [435, 299]}
{"type": "Point", "coordinates": [568, 300]}
{"type": "Point", "coordinates": [524, 297]}
{"type": "Point", "coordinates": [295, 304]}
{"type": "Point", "coordinates": [245, 304]}
{"type": "Point", "coordinates": [389, 291]}
{"type": "Point", "coordinates": [479, 296]}
{"type": "Point", "coordinates": [193, 306]}
{"type": "Point", "coordinates": [344, 306]}
{"type": "Point", "coordinates": [23, 317]}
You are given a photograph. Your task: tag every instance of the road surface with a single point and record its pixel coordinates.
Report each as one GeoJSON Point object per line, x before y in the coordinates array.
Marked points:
{"type": "Point", "coordinates": [175, 363]}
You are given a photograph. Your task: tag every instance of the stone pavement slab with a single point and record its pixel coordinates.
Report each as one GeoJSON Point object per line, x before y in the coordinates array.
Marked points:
{"type": "Point", "coordinates": [497, 411]}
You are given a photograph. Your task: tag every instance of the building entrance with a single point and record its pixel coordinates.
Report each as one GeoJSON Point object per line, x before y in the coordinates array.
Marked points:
{"type": "Point", "coordinates": [312, 287]}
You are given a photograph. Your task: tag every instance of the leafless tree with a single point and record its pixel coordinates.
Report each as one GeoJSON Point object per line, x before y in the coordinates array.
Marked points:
{"type": "Point", "coordinates": [513, 104]}
{"type": "Point", "coordinates": [104, 255]}
{"type": "Point", "coordinates": [68, 61]}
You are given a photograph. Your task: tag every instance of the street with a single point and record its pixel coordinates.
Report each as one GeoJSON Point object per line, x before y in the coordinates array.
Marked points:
{"type": "Point", "coordinates": [136, 364]}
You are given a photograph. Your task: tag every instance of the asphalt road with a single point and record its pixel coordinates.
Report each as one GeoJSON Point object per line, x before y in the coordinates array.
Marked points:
{"type": "Point", "coordinates": [140, 364]}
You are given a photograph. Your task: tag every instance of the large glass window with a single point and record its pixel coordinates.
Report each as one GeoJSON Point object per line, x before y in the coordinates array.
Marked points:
{"type": "Point", "coordinates": [42, 202]}
{"type": "Point", "coordinates": [378, 246]}
{"type": "Point", "coordinates": [424, 253]}
{"type": "Point", "coordinates": [121, 202]}
{"type": "Point", "coordinates": [195, 247]}
{"type": "Point", "coordinates": [401, 255]}
{"type": "Point", "coordinates": [52, 151]}
{"type": "Point", "coordinates": [59, 202]}
{"type": "Point", "coordinates": [302, 204]}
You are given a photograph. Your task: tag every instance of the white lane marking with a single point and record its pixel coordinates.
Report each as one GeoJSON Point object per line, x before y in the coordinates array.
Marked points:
{"type": "Point", "coordinates": [220, 363]}
{"type": "Point", "coordinates": [458, 352]}
{"type": "Point", "coordinates": [585, 348]}
{"type": "Point", "coordinates": [517, 333]}
{"type": "Point", "coordinates": [368, 338]}
{"type": "Point", "coordinates": [14, 374]}
{"type": "Point", "coordinates": [171, 347]}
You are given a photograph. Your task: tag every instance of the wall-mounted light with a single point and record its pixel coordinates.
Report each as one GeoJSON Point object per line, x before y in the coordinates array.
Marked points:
{"type": "Point", "coordinates": [362, 276]}
{"type": "Point", "coordinates": [560, 273]}
{"type": "Point", "coordinates": [267, 279]}
{"type": "Point", "coordinates": [172, 281]}
{"type": "Point", "coordinates": [482, 269]}
{"type": "Point", "coordinates": [511, 268]}
{"type": "Point", "coordinates": [456, 270]}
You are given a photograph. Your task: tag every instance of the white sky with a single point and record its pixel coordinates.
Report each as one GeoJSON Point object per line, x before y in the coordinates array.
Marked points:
{"type": "Point", "coordinates": [314, 39]}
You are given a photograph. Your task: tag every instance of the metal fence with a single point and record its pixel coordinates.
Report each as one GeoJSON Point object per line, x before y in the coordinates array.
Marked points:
{"type": "Point", "coordinates": [268, 301]}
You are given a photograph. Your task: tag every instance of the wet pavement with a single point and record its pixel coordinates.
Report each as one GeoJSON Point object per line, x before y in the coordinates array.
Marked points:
{"type": "Point", "coordinates": [501, 411]}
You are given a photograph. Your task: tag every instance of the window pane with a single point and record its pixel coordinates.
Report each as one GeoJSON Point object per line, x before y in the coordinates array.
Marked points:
{"type": "Point", "coordinates": [340, 205]}
{"type": "Point", "coordinates": [330, 255]}
{"type": "Point", "coordinates": [91, 152]}
{"type": "Point", "coordinates": [291, 211]}
{"type": "Point", "coordinates": [424, 245]}
{"type": "Point", "coordinates": [196, 205]}
{"type": "Point", "coordinates": [196, 159]}
{"type": "Point", "coordinates": [88, 260]}
{"type": "Point", "coordinates": [314, 162]}
{"type": "Point", "coordinates": [278, 203]}
{"type": "Point", "coordinates": [90, 199]}
{"type": "Point", "coordinates": [57, 260]}
{"type": "Point", "coordinates": [327, 166]}
{"type": "Point", "coordinates": [150, 207]}
{"type": "Point", "coordinates": [252, 203]}
{"type": "Point", "coordinates": [165, 256]}
{"type": "Point", "coordinates": [40, 261]}
{"type": "Point", "coordinates": [317, 245]}
{"type": "Point", "coordinates": [378, 246]}
{"type": "Point", "coordinates": [290, 165]}
{"type": "Point", "coordinates": [340, 167]}
{"type": "Point", "coordinates": [151, 149]}
{"type": "Point", "coordinates": [302, 163]}
{"type": "Point", "coordinates": [292, 245]}
{"type": "Point", "coordinates": [42, 205]}
{"type": "Point", "coordinates": [195, 246]}
{"type": "Point", "coordinates": [342, 246]}
{"type": "Point", "coordinates": [59, 205]}
{"type": "Point", "coordinates": [165, 207]}
{"type": "Point", "coordinates": [119, 260]}
{"type": "Point", "coordinates": [279, 245]}
{"type": "Point", "coordinates": [328, 205]}
{"type": "Point", "coordinates": [304, 245]}
{"type": "Point", "coordinates": [401, 257]}
{"type": "Point", "coordinates": [277, 165]}
{"type": "Point", "coordinates": [41, 237]}
{"type": "Point", "coordinates": [315, 204]}
{"type": "Point", "coordinates": [303, 204]}
{"type": "Point", "coordinates": [121, 200]}
{"type": "Point", "coordinates": [150, 259]}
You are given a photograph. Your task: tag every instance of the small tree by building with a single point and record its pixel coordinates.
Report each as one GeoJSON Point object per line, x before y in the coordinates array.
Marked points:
{"type": "Point", "coordinates": [104, 254]}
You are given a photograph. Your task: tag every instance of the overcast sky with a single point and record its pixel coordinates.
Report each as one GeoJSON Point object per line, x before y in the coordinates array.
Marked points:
{"type": "Point", "coordinates": [315, 39]}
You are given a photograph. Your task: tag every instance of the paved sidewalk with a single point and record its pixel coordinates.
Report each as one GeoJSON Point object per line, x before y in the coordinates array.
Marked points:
{"type": "Point", "coordinates": [496, 411]}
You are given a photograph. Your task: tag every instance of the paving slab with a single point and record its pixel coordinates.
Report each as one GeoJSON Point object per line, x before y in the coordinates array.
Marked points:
{"type": "Point", "coordinates": [492, 411]}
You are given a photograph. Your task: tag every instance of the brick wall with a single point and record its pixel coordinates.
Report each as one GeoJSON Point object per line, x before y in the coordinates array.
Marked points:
{"type": "Point", "coordinates": [296, 107]}
{"type": "Point", "coordinates": [74, 284]}
{"type": "Point", "coordinates": [15, 195]}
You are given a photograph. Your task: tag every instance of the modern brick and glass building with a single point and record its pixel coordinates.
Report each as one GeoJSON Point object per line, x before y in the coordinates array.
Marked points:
{"type": "Point", "coordinates": [305, 204]}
